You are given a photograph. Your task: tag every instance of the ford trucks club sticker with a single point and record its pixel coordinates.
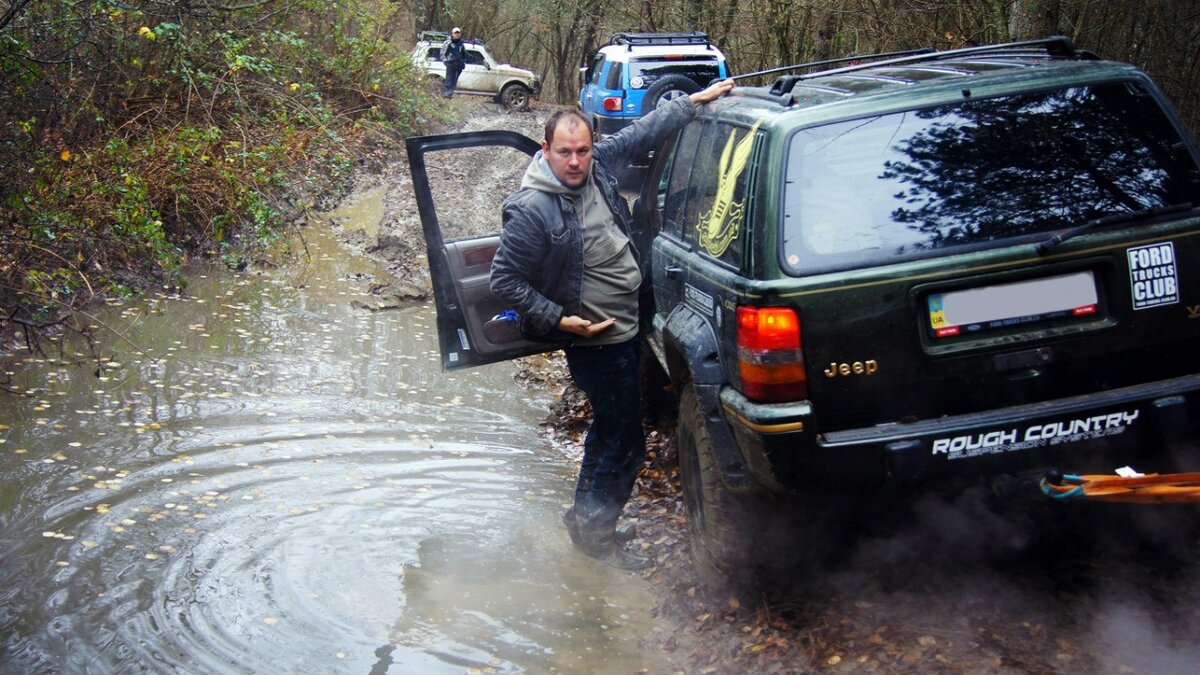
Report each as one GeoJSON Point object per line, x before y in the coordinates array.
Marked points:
{"type": "Point", "coordinates": [1153, 277]}
{"type": "Point", "coordinates": [1033, 436]}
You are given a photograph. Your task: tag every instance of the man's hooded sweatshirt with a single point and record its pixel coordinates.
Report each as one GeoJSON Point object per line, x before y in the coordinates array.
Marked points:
{"type": "Point", "coordinates": [611, 276]}
{"type": "Point", "coordinates": [568, 251]}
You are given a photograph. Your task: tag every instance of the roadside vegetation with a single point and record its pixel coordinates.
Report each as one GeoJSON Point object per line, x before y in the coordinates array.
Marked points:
{"type": "Point", "coordinates": [135, 134]}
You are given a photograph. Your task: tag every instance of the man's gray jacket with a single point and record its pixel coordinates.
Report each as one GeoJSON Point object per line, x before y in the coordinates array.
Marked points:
{"type": "Point", "coordinates": [538, 269]}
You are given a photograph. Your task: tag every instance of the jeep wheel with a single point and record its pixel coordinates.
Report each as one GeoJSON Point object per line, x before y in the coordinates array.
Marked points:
{"type": "Point", "coordinates": [515, 96]}
{"type": "Point", "coordinates": [722, 526]}
{"type": "Point", "coordinates": [665, 89]}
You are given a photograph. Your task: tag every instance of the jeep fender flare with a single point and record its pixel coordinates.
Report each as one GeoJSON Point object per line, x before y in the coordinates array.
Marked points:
{"type": "Point", "coordinates": [690, 346]}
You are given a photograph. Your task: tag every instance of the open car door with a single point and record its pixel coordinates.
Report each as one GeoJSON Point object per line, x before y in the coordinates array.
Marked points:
{"type": "Point", "coordinates": [460, 180]}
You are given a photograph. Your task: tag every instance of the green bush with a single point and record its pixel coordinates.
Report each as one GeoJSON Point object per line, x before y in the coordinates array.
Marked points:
{"type": "Point", "coordinates": [139, 133]}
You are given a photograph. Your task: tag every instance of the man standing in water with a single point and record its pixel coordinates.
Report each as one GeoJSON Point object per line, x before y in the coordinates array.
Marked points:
{"type": "Point", "coordinates": [568, 266]}
{"type": "Point", "coordinates": [454, 55]}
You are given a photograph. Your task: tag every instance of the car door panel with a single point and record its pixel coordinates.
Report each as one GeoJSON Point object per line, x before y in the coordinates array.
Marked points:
{"type": "Point", "coordinates": [470, 263]}
{"type": "Point", "coordinates": [475, 75]}
{"type": "Point", "coordinates": [461, 267]}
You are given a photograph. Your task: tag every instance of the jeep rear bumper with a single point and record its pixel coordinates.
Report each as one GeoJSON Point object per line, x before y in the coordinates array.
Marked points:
{"type": "Point", "coordinates": [1094, 433]}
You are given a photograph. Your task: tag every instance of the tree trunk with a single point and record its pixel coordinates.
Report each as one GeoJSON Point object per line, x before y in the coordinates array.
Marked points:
{"type": "Point", "coordinates": [1033, 18]}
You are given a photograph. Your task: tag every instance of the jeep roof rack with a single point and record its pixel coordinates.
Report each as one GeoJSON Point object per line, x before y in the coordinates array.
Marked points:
{"type": "Point", "coordinates": [630, 39]}
{"type": "Point", "coordinates": [829, 62]}
{"type": "Point", "coordinates": [1058, 46]}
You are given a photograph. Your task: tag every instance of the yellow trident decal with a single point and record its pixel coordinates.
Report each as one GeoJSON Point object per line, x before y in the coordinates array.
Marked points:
{"type": "Point", "coordinates": [720, 226]}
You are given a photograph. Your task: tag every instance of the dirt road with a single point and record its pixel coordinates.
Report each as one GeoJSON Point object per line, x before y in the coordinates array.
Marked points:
{"type": "Point", "coordinates": [945, 584]}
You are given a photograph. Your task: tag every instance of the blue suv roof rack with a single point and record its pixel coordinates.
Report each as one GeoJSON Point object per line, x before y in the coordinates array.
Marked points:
{"type": "Point", "coordinates": [631, 39]}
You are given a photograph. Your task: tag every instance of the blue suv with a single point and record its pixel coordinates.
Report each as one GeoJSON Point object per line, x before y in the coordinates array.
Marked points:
{"type": "Point", "coordinates": [637, 72]}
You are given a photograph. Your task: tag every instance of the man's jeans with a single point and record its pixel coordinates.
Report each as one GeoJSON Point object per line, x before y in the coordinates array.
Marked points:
{"type": "Point", "coordinates": [615, 444]}
{"type": "Point", "coordinates": [453, 70]}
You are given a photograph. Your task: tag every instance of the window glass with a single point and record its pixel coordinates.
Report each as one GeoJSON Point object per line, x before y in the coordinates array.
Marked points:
{"type": "Point", "coordinates": [614, 76]}
{"type": "Point", "coordinates": [597, 69]}
{"type": "Point", "coordinates": [673, 187]}
{"type": "Point", "coordinates": [978, 173]}
{"type": "Point", "coordinates": [718, 190]}
{"type": "Point", "coordinates": [473, 57]}
{"type": "Point", "coordinates": [644, 72]}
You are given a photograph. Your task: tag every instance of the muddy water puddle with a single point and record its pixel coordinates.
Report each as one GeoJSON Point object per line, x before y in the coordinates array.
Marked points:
{"type": "Point", "coordinates": [258, 477]}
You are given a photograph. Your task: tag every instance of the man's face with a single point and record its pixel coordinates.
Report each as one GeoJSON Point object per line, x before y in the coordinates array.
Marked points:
{"type": "Point", "coordinates": [570, 153]}
{"type": "Point", "coordinates": [456, 35]}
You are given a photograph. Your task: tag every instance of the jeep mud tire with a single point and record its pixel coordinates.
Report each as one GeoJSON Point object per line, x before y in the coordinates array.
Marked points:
{"type": "Point", "coordinates": [515, 96]}
{"type": "Point", "coordinates": [723, 526]}
{"type": "Point", "coordinates": [665, 89]}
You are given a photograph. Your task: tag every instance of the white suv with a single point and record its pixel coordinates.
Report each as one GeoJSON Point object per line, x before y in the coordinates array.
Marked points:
{"type": "Point", "coordinates": [482, 75]}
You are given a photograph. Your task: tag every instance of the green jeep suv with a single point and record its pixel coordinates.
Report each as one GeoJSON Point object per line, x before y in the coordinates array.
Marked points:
{"type": "Point", "coordinates": [913, 274]}
{"type": "Point", "coordinates": [924, 271]}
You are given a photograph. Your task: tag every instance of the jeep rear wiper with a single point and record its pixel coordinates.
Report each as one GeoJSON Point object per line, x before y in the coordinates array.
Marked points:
{"type": "Point", "coordinates": [1129, 216]}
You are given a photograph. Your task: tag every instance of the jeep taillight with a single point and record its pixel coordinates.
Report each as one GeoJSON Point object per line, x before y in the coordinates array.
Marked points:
{"type": "Point", "coordinates": [613, 103]}
{"type": "Point", "coordinates": [769, 357]}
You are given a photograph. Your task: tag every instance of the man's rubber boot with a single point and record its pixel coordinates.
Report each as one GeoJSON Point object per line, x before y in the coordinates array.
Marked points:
{"type": "Point", "coordinates": [598, 539]}
{"type": "Point", "coordinates": [612, 553]}
{"type": "Point", "coordinates": [624, 534]}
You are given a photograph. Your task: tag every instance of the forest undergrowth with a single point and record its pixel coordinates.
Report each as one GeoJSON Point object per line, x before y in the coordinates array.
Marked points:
{"type": "Point", "coordinates": [136, 136]}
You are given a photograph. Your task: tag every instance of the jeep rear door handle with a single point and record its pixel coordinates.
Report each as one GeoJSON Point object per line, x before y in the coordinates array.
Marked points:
{"type": "Point", "coordinates": [673, 272]}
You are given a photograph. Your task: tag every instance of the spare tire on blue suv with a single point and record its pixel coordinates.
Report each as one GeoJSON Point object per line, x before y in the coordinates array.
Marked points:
{"type": "Point", "coordinates": [666, 89]}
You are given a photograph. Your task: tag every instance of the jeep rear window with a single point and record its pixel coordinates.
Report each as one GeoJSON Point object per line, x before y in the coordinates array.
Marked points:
{"type": "Point", "coordinates": [700, 69]}
{"type": "Point", "coordinates": [977, 174]}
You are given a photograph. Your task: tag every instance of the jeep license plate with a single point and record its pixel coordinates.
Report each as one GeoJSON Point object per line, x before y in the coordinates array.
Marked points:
{"type": "Point", "coordinates": [1005, 305]}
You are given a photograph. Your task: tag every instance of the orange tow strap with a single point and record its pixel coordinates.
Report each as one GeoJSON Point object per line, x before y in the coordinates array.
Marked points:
{"type": "Point", "coordinates": [1152, 488]}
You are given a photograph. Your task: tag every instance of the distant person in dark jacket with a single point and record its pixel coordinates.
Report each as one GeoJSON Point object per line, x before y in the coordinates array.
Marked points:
{"type": "Point", "coordinates": [568, 265]}
{"type": "Point", "coordinates": [454, 54]}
